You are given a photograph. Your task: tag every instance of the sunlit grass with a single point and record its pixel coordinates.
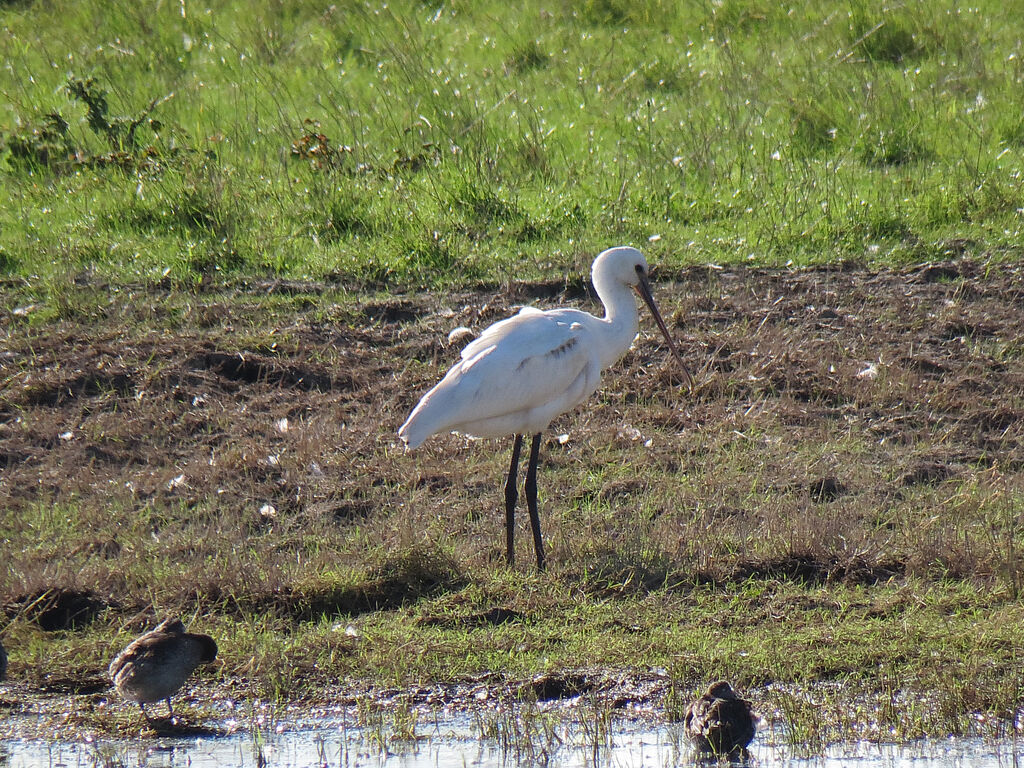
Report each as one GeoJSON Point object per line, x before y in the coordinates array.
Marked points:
{"type": "Point", "coordinates": [401, 145]}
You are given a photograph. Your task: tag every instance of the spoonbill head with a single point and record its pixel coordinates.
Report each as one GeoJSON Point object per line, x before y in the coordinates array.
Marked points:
{"type": "Point", "coordinates": [522, 372]}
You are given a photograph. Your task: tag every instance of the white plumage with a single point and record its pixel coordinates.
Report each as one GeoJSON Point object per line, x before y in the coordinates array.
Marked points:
{"type": "Point", "coordinates": [522, 372]}
{"type": "Point", "coordinates": [515, 378]}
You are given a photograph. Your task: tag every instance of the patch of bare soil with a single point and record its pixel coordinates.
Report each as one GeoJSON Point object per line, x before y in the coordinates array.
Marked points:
{"type": "Point", "coordinates": [927, 360]}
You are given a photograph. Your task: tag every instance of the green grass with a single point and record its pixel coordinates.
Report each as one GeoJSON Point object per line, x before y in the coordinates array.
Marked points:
{"type": "Point", "coordinates": [163, 164]}
{"type": "Point", "coordinates": [411, 145]}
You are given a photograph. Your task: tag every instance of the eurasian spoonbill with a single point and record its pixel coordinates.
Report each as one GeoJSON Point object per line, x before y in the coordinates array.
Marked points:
{"type": "Point", "coordinates": [522, 372]}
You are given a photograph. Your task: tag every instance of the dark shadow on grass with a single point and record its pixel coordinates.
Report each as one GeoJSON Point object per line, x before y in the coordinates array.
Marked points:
{"type": "Point", "coordinates": [405, 577]}
{"type": "Point", "coordinates": [90, 384]}
{"type": "Point", "coordinates": [813, 569]}
{"type": "Point", "coordinates": [56, 609]}
{"type": "Point", "coordinates": [255, 369]}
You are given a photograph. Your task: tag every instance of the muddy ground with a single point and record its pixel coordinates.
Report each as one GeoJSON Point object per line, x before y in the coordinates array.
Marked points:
{"type": "Point", "coordinates": [113, 400]}
{"type": "Point", "coordinates": [137, 394]}
{"type": "Point", "coordinates": [276, 406]}
{"type": "Point", "coordinates": [219, 710]}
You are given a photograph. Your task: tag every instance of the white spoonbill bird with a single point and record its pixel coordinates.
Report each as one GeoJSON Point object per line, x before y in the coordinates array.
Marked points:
{"type": "Point", "coordinates": [522, 372]}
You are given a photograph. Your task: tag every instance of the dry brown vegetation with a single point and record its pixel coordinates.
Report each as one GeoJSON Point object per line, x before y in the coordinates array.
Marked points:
{"type": "Point", "coordinates": [233, 455]}
{"type": "Point", "coordinates": [847, 425]}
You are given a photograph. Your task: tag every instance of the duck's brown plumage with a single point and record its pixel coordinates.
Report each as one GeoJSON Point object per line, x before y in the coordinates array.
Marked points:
{"type": "Point", "coordinates": [155, 665]}
{"type": "Point", "coordinates": [720, 722]}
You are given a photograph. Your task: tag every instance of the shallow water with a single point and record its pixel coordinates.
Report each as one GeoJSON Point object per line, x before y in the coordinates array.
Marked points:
{"type": "Point", "coordinates": [457, 744]}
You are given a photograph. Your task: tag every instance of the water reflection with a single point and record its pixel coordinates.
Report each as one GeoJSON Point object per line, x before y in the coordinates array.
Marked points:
{"type": "Point", "coordinates": [458, 744]}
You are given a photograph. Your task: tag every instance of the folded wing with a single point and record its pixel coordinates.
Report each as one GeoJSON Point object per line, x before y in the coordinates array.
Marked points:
{"type": "Point", "coordinates": [534, 360]}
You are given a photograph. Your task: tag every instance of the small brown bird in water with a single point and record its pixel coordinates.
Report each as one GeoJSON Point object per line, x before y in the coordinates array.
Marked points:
{"type": "Point", "coordinates": [155, 665]}
{"type": "Point", "coordinates": [720, 722]}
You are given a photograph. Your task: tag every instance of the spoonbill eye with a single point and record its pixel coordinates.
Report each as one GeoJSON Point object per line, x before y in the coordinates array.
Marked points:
{"type": "Point", "coordinates": [639, 269]}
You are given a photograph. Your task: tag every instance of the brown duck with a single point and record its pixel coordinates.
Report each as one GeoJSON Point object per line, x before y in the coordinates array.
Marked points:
{"type": "Point", "coordinates": [720, 722]}
{"type": "Point", "coordinates": [155, 665]}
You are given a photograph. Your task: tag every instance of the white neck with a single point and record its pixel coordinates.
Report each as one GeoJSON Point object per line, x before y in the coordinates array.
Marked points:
{"type": "Point", "coordinates": [620, 322]}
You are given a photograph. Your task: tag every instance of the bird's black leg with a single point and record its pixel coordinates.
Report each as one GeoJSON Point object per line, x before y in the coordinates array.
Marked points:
{"type": "Point", "coordinates": [511, 497]}
{"type": "Point", "coordinates": [531, 500]}
{"type": "Point", "coordinates": [170, 709]}
{"type": "Point", "coordinates": [145, 714]}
